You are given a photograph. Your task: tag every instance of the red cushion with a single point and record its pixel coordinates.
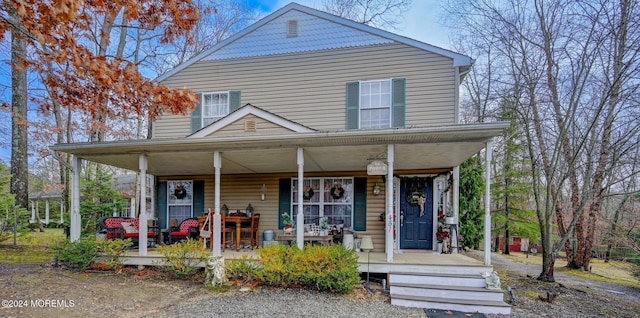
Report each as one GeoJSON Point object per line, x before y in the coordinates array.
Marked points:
{"type": "Point", "coordinates": [186, 224]}
{"type": "Point", "coordinates": [179, 233]}
{"type": "Point", "coordinates": [136, 234]}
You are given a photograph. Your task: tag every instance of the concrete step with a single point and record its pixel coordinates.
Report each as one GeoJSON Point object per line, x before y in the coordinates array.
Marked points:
{"type": "Point", "coordinates": [482, 306]}
{"type": "Point", "coordinates": [464, 280]}
{"type": "Point", "coordinates": [446, 292]}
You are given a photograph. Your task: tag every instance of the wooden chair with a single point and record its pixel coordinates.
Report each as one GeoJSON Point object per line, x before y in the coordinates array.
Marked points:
{"type": "Point", "coordinates": [251, 231]}
{"type": "Point", "coordinates": [206, 227]}
{"type": "Point", "coordinates": [224, 229]}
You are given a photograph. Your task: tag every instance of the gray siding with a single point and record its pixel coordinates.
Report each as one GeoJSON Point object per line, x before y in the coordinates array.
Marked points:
{"type": "Point", "coordinates": [309, 88]}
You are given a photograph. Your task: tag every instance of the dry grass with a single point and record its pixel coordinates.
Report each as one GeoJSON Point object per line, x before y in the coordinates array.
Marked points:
{"type": "Point", "coordinates": [612, 272]}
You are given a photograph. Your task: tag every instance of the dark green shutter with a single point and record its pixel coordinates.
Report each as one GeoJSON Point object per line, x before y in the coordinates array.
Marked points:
{"type": "Point", "coordinates": [284, 200]}
{"type": "Point", "coordinates": [234, 100]}
{"type": "Point", "coordinates": [360, 204]}
{"type": "Point", "coordinates": [161, 203]}
{"type": "Point", "coordinates": [198, 198]}
{"type": "Point", "coordinates": [398, 102]}
{"type": "Point", "coordinates": [353, 105]}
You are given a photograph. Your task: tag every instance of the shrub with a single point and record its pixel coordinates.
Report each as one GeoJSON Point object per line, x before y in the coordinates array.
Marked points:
{"type": "Point", "coordinates": [244, 269]}
{"type": "Point", "coordinates": [326, 268]}
{"type": "Point", "coordinates": [112, 250]}
{"type": "Point", "coordinates": [182, 257]}
{"type": "Point", "coordinates": [79, 254]}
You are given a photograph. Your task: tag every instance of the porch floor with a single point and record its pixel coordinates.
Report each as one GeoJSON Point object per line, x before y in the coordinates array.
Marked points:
{"type": "Point", "coordinates": [422, 261]}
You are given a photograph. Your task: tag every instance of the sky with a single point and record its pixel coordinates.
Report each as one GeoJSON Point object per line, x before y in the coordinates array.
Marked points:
{"type": "Point", "coordinates": [421, 23]}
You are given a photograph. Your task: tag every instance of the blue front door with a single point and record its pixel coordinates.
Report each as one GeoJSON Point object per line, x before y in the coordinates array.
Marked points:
{"type": "Point", "coordinates": [416, 213]}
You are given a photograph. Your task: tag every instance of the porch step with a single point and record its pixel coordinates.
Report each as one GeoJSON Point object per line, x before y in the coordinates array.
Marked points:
{"type": "Point", "coordinates": [447, 291]}
{"type": "Point", "coordinates": [464, 292]}
{"type": "Point", "coordinates": [463, 280]}
{"type": "Point", "coordinates": [482, 306]}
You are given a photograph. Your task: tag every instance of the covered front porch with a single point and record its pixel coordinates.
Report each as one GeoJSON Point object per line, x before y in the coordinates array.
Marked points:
{"type": "Point", "coordinates": [404, 152]}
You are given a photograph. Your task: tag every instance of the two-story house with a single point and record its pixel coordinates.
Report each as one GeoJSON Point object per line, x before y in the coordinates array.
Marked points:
{"type": "Point", "coordinates": [314, 115]}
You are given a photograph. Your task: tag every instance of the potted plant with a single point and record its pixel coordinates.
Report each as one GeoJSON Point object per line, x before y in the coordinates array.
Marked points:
{"type": "Point", "coordinates": [288, 223]}
{"type": "Point", "coordinates": [324, 226]}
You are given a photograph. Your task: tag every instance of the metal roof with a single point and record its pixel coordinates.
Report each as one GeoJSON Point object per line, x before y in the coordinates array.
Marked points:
{"type": "Point", "coordinates": [336, 34]}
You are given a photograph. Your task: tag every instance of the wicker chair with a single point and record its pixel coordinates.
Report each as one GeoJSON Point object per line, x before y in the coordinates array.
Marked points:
{"type": "Point", "coordinates": [188, 228]}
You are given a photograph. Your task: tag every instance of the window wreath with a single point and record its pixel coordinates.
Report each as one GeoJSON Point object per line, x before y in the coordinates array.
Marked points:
{"type": "Point", "coordinates": [337, 192]}
{"type": "Point", "coordinates": [308, 193]}
{"type": "Point", "coordinates": [180, 192]}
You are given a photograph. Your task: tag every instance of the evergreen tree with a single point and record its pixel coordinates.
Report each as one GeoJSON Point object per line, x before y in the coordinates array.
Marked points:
{"type": "Point", "coordinates": [471, 213]}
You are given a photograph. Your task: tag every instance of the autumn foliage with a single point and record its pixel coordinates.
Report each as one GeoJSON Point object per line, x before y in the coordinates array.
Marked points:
{"type": "Point", "coordinates": [62, 49]}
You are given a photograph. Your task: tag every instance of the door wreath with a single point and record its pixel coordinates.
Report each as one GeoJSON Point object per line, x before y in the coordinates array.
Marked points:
{"type": "Point", "coordinates": [337, 192]}
{"type": "Point", "coordinates": [416, 197]}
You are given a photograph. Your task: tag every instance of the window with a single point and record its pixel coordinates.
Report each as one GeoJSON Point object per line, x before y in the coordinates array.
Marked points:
{"type": "Point", "coordinates": [375, 104]}
{"type": "Point", "coordinates": [319, 200]}
{"type": "Point", "coordinates": [214, 107]}
{"type": "Point", "coordinates": [179, 200]}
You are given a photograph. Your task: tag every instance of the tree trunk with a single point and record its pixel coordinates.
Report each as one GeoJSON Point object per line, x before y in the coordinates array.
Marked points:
{"type": "Point", "coordinates": [19, 158]}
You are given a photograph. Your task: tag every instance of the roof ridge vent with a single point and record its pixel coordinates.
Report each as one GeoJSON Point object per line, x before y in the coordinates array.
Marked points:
{"type": "Point", "coordinates": [292, 28]}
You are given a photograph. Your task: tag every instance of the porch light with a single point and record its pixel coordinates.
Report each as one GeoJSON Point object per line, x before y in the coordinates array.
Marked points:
{"type": "Point", "coordinates": [376, 188]}
{"type": "Point", "coordinates": [263, 196]}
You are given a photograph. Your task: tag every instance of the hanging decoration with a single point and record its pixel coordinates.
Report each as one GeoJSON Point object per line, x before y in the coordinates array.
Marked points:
{"type": "Point", "coordinates": [416, 197]}
{"type": "Point", "coordinates": [337, 192]}
{"type": "Point", "coordinates": [180, 192]}
{"type": "Point", "coordinates": [308, 193]}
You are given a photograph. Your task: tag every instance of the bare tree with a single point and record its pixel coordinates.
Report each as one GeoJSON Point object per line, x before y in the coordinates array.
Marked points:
{"type": "Point", "coordinates": [572, 68]}
{"type": "Point", "coordinates": [19, 159]}
{"type": "Point", "coordinates": [384, 14]}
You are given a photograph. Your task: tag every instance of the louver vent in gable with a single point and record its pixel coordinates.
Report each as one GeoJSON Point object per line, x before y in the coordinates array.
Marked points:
{"type": "Point", "coordinates": [292, 28]}
{"type": "Point", "coordinates": [249, 125]}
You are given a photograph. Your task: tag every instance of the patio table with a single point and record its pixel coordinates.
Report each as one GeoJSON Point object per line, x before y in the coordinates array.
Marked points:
{"type": "Point", "coordinates": [238, 220]}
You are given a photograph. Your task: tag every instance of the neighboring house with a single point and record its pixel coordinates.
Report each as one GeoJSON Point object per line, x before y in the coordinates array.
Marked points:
{"type": "Point", "coordinates": [305, 95]}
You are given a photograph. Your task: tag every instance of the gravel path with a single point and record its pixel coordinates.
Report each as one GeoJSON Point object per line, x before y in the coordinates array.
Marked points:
{"type": "Point", "coordinates": [288, 303]}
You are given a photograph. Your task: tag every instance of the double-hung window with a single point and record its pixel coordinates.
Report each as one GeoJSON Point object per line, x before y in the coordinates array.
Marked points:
{"type": "Point", "coordinates": [179, 200]}
{"type": "Point", "coordinates": [325, 197]}
{"type": "Point", "coordinates": [375, 104]}
{"type": "Point", "coordinates": [214, 107]}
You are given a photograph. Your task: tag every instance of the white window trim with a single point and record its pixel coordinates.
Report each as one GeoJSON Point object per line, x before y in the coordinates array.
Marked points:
{"type": "Point", "coordinates": [390, 107]}
{"type": "Point", "coordinates": [321, 202]}
{"type": "Point", "coordinates": [169, 204]}
{"type": "Point", "coordinates": [202, 116]}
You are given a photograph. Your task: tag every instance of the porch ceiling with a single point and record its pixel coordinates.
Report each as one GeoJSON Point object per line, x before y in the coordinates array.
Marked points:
{"type": "Point", "coordinates": [415, 148]}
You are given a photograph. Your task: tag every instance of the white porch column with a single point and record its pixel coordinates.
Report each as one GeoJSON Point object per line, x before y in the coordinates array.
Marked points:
{"type": "Point", "coordinates": [142, 216]}
{"type": "Point", "coordinates": [487, 202]}
{"type": "Point", "coordinates": [61, 211]}
{"type": "Point", "coordinates": [33, 211]}
{"type": "Point", "coordinates": [389, 200]}
{"type": "Point", "coordinates": [217, 219]}
{"type": "Point", "coordinates": [46, 211]}
{"type": "Point", "coordinates": [300, 215]}
{"type": "Point", "coordinates": [456, 208]}
{"type": "Point", "coordinates": [132, 207]}
{"type": "Point", "coordinates": [76, 222]}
